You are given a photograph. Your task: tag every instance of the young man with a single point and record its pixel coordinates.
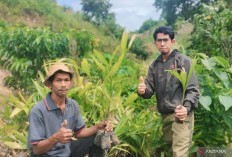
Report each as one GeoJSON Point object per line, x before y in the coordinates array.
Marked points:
{"type": "Point", "coordinates": [178, 121]}
{"type": "Point", "coordinates": [54, 121]}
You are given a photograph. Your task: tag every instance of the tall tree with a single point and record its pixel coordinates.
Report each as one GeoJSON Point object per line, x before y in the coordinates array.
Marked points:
{"type": "Point", "coordinates": [186, 9]}
{"type": "Point", "coordinates": [97, 10]}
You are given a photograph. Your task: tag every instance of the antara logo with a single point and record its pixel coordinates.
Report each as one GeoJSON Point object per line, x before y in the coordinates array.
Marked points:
{"type": "Point", "coordinates": [201, 151]}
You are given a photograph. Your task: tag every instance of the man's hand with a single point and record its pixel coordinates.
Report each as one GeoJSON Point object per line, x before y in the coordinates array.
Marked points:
{"type": "Point", "coordinates": [64, 135]}
{"type": "Point", "coordinates": [142, 86]}
{"type": "Point", "coordinates": [181, 112]}
{"type": "Point", "coordinates": [106, 125]}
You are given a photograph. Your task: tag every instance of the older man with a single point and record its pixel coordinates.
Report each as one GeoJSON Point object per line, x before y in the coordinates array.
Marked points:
{"type": "Point", "coordinates": [56, 119]}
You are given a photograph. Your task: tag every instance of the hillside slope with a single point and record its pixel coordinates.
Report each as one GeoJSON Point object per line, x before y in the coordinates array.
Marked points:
{"type": "Point", "coordinates": [47, 14]}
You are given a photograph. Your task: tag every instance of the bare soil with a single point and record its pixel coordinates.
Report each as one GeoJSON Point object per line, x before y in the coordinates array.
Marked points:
{"type": "Point", "coordinates": [4, 91]}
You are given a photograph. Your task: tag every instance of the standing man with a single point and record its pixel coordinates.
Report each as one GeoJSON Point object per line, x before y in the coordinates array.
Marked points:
{"type": "Point", "coordinates": [54, 121]}
{"type": "Point", "coordinates": [178, 121]}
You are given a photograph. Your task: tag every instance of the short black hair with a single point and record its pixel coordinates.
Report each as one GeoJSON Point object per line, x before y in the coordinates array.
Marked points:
{"type": "Point", "coordinates": [51, 78]}
{"type": "Point", "coordinates": [164, 30]}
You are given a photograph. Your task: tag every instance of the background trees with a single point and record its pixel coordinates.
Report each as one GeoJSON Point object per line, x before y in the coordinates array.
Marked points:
{"type": "Point", "coordinates": [173, 9]}
{"type": "Point", "coordinates": [97, 10]}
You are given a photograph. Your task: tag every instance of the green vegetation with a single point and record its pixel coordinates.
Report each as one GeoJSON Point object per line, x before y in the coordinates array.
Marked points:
{"type": "Point", "coordinates": [107, 73]}
{"type": "Point", "coordinates": [213, 32]}
{"type": "Point", "coordinates": [97, 10]}
{"type": "Point", "coordinates": [23, 52]}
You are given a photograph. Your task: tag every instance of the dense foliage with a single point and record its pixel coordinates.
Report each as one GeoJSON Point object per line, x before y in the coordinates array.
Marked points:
{"type": "Point", "coordinates": [23, 52]}
{"type": "Point", "coordinates": [97, 10]}
{"type": "Point", "coordinates": [186, 9]}
{"type": "Point", "coordinates": [105, 84]}
{"type": "Point", "coordinates": [213, 32]}
{"type": "Point", "coordinates": [138, 48]}
{"type": "Point", "coordinates": [147, 25]}
{"type": "Point", "coordinates": [101, 87]}
{"type": "Point", "coordinates": [213, 119]}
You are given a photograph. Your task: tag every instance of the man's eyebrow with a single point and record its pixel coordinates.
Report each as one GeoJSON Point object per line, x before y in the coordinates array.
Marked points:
{"type": "Point", "coordinates": [162, 38]}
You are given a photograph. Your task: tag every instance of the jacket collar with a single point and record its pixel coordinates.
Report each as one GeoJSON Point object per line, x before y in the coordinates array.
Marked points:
{"type": "Point", "coordinates": [174, 52]}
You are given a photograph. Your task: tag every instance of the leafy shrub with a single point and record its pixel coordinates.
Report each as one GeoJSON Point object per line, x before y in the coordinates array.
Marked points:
{"type": "Point", "coordinates": [138, 48]}
{"type": "Point", "coordinates": [213, 118]}
{"type": "Point", "coordinates": [85, 41]}
{"type": "Point", "coordinates": [137, 127]}
{"type": "Point", "coordinates": [213, 32]}
{"type": "Point", "coordinates": [147, 25]}
{"type": "Point", "coordinates": [24, 51]}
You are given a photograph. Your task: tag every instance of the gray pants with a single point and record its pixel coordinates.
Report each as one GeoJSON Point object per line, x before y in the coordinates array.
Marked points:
{"type": "Point", "coordinates": [83, 146]}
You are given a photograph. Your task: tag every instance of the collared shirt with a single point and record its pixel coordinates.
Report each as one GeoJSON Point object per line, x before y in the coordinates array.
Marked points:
{"type": "Point", "coordinates": [46, 119]}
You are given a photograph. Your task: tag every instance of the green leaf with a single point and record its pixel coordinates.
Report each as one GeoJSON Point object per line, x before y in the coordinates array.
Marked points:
{"type": "Point", "coordinates": [175, 73]}
{"type": "Point", "coordinates": [99, 55]}
{"type": "Point", "coordinates": [226, 101]}
{"type": "Point", "coordinates": [131, 99]}
{"type": "Point", "coordinates": [85, 66]}
{"type": "Point", "coordinates": [102, 67]}
{"type": "Point", "coordinates": [205, 102]}
{"type": "Point", "coordinates": [209, 65]}
{"type": "Point", "coordinates": [14, 145]}
{"type": "Point", "coordinates": [204, 56]}
{"type": "Point", "coordinates": [15, 112]}
{"type": "Point", "coordinates": [223, 77]}
{"type": "Point", "coordinates": [191, 70]}
{"type": "Point", "coordinates": [224, 63]}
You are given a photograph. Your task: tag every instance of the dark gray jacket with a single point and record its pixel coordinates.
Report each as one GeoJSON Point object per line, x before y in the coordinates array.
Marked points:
{"type": "Point", "coordinates": [168, 89]}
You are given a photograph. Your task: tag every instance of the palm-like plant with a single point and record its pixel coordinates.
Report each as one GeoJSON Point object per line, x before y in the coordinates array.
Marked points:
{"type": "Point", "coordinates": [183, 76]}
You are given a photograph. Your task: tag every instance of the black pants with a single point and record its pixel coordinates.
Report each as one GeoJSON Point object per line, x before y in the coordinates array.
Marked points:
{"type": "Point", "coordinates": [83, 146]}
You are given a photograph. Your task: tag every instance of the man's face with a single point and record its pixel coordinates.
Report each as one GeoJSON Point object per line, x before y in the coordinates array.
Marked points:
{"type": "Point", "coordinates": [61, 84]}
{"type": "Point", "coordinates": [164, 43]}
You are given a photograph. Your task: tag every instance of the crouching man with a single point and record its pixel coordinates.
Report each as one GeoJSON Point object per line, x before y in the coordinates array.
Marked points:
{"type": "Point", "coordinates": [56, 119]}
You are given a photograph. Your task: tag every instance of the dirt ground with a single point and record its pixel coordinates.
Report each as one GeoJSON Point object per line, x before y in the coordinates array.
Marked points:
{"type": "Point", "coordinates": [4, 91]}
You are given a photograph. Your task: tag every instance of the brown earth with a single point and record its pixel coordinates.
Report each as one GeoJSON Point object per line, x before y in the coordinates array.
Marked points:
{"type": "Point", "coordinates": [4, 91]}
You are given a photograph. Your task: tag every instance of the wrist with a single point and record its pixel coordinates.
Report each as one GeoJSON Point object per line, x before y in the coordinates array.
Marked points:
{"type": "Point", "coordinates": [188, 110]}
{"type": "Point", "coordinates": [54, 138]}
